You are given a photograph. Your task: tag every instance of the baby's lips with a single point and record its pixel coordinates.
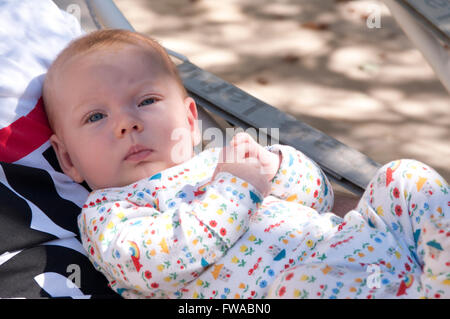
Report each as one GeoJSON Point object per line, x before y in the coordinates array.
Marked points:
{"type": "Point", "coordinates": [137, 152]}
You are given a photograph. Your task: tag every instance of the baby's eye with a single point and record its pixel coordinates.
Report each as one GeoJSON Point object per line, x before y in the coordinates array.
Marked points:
{"type": "Point", "coordinates": [95, 117]}
{"type": "Point", "coordinates": [147, 101]}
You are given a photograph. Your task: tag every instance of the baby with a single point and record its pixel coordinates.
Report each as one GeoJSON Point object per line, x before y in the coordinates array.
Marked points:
{"type": "Point", "coordinates": [244, 221]}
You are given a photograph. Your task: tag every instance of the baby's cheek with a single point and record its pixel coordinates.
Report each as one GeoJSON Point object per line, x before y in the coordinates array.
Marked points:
{"type": "Point", "coordinates": [99, 170]}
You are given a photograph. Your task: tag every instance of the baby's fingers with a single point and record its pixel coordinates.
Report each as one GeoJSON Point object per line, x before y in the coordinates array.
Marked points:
{"type": "Point", "coordinates": [242, 138]}
{"type": "Point", "coordinates": [241, 153]}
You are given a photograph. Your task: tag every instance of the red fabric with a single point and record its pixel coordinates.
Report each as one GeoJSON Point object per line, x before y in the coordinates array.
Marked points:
{"type": "Point", "coordinates": [24, 135]}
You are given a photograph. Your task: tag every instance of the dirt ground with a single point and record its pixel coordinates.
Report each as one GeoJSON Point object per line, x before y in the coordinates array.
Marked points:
{"type": "Point", "coordinates": [318, 60]}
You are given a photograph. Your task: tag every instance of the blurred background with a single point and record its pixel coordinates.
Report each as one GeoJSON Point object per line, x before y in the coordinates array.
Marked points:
{"type": "Point", "coordinates": [344, 67]}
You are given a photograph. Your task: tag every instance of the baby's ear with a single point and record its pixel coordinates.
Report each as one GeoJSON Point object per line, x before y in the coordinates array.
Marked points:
{"type": "Point", "coordinates": [64, 159]}
{"type": "Point", "coordinates": [193, 120]}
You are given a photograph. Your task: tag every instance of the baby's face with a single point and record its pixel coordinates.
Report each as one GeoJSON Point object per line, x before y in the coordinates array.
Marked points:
{"type": "Point", "coordinates": [120, 118]}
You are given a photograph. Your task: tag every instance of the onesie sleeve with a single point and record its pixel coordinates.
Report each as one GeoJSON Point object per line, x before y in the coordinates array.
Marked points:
{"type": "Point", "coordinates": [300, 179]}
{"type": "Point", "coordinates": [144, 252]}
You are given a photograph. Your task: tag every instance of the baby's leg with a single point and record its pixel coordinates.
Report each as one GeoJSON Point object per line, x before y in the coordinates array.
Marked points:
{"type": "Point", "coordinates": [405, 194]}
{"type": "Point", "coordinates": [413, 202]}
{"type": "Point", "coordinates": [321, 281]}
{"type": "Point", "coordinates": [436, 271]}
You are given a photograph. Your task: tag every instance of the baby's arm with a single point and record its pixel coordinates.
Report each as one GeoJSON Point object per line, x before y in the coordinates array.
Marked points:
{"type": "Point", "coordinates": [143, 250]}
{"type": "Point", "coordinates": [301, 180]}
{"type": "Point", "coordinates": [289, 174]}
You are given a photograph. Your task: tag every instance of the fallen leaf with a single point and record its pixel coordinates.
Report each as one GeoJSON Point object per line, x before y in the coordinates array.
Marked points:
{"type": "Point", "coordinates": [290, 58]}
{"type": "Point", "coordinates": [262, 80]}
{"type": "Point", "coordinates": [315, 26]}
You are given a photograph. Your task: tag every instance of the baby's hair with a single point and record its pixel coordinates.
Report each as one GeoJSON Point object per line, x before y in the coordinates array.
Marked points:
{"type": "Point", "coordinates": [104, 39]}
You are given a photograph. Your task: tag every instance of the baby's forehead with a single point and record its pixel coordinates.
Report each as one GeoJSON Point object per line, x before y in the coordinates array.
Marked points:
{"type": "Point", "coordinates": [109, 66]}
{"type": "Point", "coordinates": [121, 53]}
{"type": "Point", "coordinates": [105, 69]}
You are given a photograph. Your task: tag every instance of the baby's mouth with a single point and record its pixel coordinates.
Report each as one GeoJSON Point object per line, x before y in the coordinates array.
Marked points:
{"type": "Point", "coordinates": [137, 153]}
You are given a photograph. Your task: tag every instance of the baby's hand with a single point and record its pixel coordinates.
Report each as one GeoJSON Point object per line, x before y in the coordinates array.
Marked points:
{"type": "Point", "coordinates": [269, 162]}
{"type": "Point", "coordinates": [248, 160]}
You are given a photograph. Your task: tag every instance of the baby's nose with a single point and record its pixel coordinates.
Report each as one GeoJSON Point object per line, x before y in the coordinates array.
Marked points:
{"type": "Point", "coordinates": [128, 126]}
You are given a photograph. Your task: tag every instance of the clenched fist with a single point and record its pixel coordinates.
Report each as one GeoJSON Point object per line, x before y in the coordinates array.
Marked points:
{"type": "Point", "coordinates": [248, 160]}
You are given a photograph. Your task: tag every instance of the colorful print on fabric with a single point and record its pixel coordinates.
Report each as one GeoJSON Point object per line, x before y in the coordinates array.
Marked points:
{"type": "Point", "coordinates": [193, 237]}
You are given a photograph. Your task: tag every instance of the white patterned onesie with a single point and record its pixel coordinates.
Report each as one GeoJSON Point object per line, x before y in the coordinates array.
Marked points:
{"type": "Point", "coordinates": [179, 234]}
